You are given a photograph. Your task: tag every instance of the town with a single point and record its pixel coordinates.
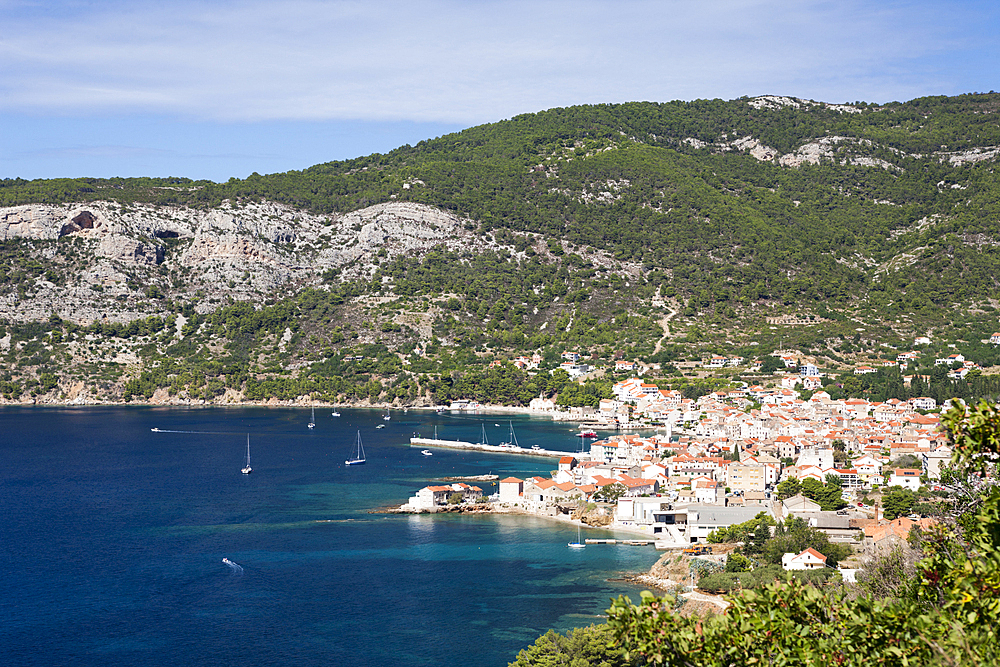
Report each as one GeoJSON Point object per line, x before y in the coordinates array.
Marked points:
{"type": "Point", "coordinates": [853, 469]}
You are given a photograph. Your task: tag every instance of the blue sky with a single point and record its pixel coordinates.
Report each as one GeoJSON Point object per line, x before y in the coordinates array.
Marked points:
{"type": "Point", "coordinates": [223, 88]}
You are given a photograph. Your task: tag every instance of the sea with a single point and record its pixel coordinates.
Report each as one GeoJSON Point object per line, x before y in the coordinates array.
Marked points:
{"type": "Point", "coordinates": [113, 538]}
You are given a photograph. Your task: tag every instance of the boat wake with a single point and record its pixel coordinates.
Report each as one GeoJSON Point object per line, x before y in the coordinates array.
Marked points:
{"type": "Point", "coordinates": [235, 567]}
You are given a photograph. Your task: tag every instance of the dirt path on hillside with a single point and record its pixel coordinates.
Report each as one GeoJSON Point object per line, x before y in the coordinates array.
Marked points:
{"type": "Point", "coordinates": [665, 323]}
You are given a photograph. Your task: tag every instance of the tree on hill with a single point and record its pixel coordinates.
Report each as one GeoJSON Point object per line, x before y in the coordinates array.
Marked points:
{"type": "Point", "coordinates": [610, 493]}
{"type": "Point", "coordinates": [771, 364]}
{"type": "Point", "coordinates": [794, 535]}
{"type": "Point", "coordinates": [829, 496]}
{"type": "Point", "coordinates": [788, 487]}
{"type": "Point", "coordinates": [897, 502]}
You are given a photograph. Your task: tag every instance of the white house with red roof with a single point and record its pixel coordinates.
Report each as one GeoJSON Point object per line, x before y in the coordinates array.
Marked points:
{"type": "Point", "coordinates": [810, 559]}
{"type": "Point", "coordinates": [715, 362]}
{"type": "Point", "coordinates": [511, 489]}
{"type": "Point", "coordinates": [849, 477]}
{"type": "Point", "coordinates": [811, 382]}
{"type": "Point", "coordinates": [908, 478]}
{"type": "Point", "coordinates": [535, 489]}
{"type": "Point", "coordinates": [707, 490]}
{"type": "Point", "coordinates": [868, 467]}
{"type": "Point", "coordinates": [789, 381]}
{"type": "Point", "coordinates": [950, 359]}
{"type": "Point", "coordinates": [638, 487]}
{"type": "Point", "coordinates": [810, 472]}
{"type": "Point", "coordinates": [633, 389]}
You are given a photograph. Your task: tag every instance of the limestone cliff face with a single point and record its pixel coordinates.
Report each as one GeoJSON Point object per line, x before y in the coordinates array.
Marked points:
{"type": "Point", "coordinates": [111, 254]}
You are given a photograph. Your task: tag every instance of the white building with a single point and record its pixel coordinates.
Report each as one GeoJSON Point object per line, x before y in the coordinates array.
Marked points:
{"type": "Point", "coordinates": [908, 478]}
{"type": "Point", "coordinates": [511, 489]}
{"type": "Point", "coordinates": [810, 559]}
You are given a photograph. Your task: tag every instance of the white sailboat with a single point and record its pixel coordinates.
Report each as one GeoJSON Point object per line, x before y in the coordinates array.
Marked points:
{"type": "Point", "coordinates": [512, 442]}
{"type": "Point", "coordinates": [484, 440]}
{"type": "Point", "coordinates": [312, 420]}
{"type": "Point", "coordinates": [359, 454]}
{"type": "Point", "coordinates": [335, 413]}
{"type": "Point", "coordinates": [386, 416]}
{"type": "Point", "coordinates": [247, 469]}
{"type": "Point", "coordinates": [579, 542]}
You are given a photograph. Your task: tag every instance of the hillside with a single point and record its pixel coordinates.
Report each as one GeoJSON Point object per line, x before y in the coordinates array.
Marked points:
{"type": "Point", "coordinates": [653, 231]}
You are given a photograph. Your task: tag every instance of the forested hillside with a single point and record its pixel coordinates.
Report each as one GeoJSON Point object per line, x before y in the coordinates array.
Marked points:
{"type": "Point", "coordinates": [593, 225]}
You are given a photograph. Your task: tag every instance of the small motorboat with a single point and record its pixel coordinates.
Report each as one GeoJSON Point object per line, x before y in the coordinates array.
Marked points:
{"type": "Point", "coordinates": [426, 452]}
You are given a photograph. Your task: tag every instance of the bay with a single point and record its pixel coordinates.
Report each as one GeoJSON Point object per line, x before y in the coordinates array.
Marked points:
{"type": "Point", "coordinates": [113, 538]}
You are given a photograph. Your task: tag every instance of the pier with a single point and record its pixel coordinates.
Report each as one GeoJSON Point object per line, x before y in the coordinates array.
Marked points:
{"type": "Point", "coordinates": [630, 542]}
{"type": "Point", "coordinates": [502, 449]}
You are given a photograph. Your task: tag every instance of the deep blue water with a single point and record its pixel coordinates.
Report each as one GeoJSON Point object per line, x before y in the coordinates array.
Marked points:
{"type": "Point", "coordinates": [112, 539]}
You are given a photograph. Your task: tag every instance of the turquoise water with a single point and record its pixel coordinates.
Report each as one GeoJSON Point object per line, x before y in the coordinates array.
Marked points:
{"type": "Point", "coordinates": [113, 538]}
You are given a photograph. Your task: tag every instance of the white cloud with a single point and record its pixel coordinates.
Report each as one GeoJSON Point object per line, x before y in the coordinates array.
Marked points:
{"type": "Point", "coordinates": [463, 61]}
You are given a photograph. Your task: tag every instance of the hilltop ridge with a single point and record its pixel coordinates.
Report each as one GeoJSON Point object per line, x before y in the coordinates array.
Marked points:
{"type": "Point", "coordinates": [581, 228]}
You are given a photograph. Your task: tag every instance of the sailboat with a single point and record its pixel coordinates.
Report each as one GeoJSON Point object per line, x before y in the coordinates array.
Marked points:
{"type": "Point", "coordinates": [359, 455]}
{"type": "Point", "coordinates": [484, 441]}
{"type": "Point", "coordinates": [312, 420]}
{"type": "Point", "coordinates": [247, 469]}
{"type": "Point", "coordinates": [386, 416]}
{"type": "Point", "coordinates": [512, 442]}
{"type": "Point", "coordinates": [335, 413]}
{"type": "Point", "coordinates": [579, 542]}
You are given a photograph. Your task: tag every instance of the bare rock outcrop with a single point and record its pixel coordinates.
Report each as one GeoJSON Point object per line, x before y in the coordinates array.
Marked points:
{"type": "Point", "coordinates": [243, 251]}
{"type": "Point", "coordinates": [125, 249]}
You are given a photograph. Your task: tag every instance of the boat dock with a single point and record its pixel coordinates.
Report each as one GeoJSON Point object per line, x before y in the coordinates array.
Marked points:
{"type": "Point", "coordinates": [502, 449]}
{"type": "Point", "coordinates": [631, 543]}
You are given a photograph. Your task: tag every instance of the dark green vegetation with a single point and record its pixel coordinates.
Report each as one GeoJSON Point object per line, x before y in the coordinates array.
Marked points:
{"type": "Point", "coordinates": [944, 610]}
{"type": "Point", "coordinates": [757, 562]}
{"type": "Point", "coordinates": [722, 227]}
{"type": "Point", "coordinates": [609, 218]}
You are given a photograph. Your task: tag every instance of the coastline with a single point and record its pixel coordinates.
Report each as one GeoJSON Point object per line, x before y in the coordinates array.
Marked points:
{"type": "Point", "coordinates": [233, 399]}
{"type": "Point", "coordinates": [497, 508]}
{"type": "Point", "coordinates": [229, 401]}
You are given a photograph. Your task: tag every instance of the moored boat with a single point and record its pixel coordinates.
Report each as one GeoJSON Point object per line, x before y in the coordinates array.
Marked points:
{"type": "Point", "coordinates": [359, 454]}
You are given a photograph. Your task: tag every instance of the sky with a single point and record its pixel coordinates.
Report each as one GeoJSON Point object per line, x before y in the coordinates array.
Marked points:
{"type": "Point", "coordinates": [217, 89]}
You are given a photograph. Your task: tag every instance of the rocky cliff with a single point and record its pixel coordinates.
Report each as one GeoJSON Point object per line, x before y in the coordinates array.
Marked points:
{"type": "Point", "coordinates": [111, 260]}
